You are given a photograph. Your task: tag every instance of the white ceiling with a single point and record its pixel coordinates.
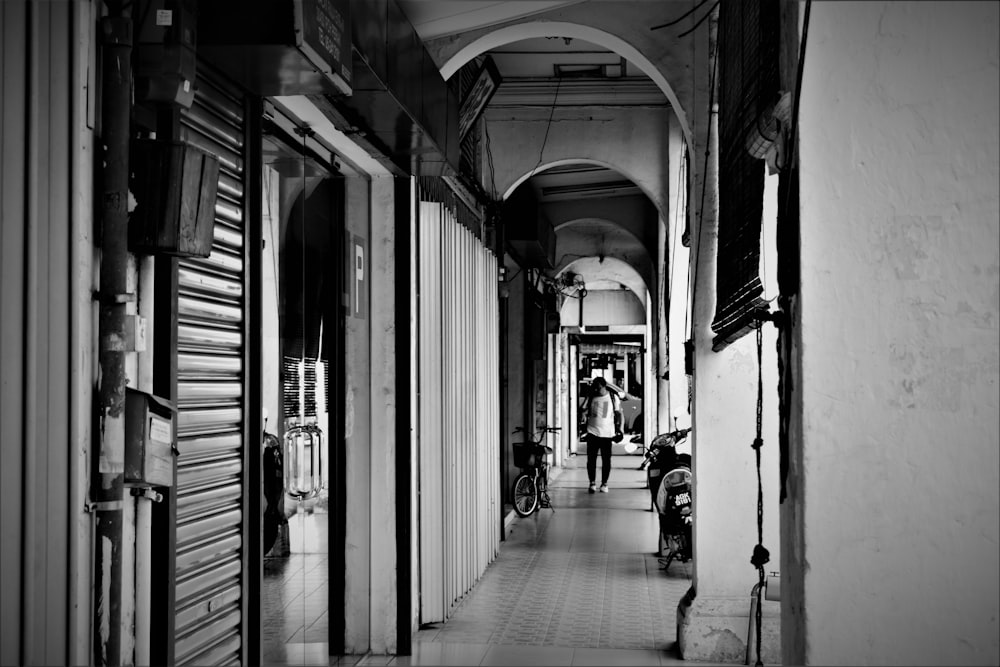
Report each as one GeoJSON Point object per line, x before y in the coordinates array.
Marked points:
{"type": "Point", "coordinates": [587, 74]}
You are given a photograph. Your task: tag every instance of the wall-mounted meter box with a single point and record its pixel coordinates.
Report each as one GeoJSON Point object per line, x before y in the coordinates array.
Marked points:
{"type": "Point", "coordinates": [149, 439]}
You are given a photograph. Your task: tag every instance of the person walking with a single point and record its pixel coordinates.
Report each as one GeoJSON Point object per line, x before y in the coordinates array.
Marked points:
{"type": "Point", "coordinates": [603, 417]}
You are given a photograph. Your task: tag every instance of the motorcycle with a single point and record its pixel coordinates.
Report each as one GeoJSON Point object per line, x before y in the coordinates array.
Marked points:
{"type": "Point", "coordinates": [669, 479]}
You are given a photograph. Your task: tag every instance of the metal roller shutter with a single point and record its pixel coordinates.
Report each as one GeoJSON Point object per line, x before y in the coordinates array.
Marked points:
{"type": "Point", "coordinates": [209, 575]}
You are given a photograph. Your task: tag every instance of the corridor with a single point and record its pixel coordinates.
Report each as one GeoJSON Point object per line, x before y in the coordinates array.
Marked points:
{"type": "Point", "coordinates": [576, 586]}
{"type": "Point", "coordinates": [579, 585]}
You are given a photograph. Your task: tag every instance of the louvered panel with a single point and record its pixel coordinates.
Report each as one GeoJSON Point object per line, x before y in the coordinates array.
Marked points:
{"type": "Point", "coordinates": [230, 157]}
{"type": "Point", "coordinates": [223, 261]}
{"type": "Point", "coordinates": [208, 420]}
{"type": "Point", "coordinates": [225, 652]}
{"type": "Point", "coordinates": [193, 308]}
{"type": "Point", "coordinates": [207, 581]}
{"type": "Point", "coordinates": [215, 119]}
{"type": "Point", "coordinates": [200, 557]}
{"type": "Point", "coordinates": [213, 471]}
{"type": "Point", "coordinates": [204, 524]}
{"type": "Point", "coordinates": [213, 445]}
{"type": "Point", "coordinates": [231, 238]}
{"type": "Point", "coordinates": [209, 499]}
{"type": "Point", "coordinates": [210, 550]}
{"type": "Point", "coordinates": [230, 187]}
{"type": "Point", "coordinates": [190, 336]}
{"type": "Point", "coordinates": [196, 612]}
{"type": "Point", "coordinates": [189, 278]}
{"type": "Point", "coordinates": [217, 640]}
{"type": "Point", "coordinates": [209, 391]}
{"type": "Point", "coordinates": [201, 365]}
{"type": "Point", "coordinates": [210, 401]}
{"type": "Point", "coordinates": [226, 211]}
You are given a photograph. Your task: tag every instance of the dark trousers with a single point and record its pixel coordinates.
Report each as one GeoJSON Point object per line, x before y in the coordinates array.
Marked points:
{"type": "Point", "coordinates": [595, 444]}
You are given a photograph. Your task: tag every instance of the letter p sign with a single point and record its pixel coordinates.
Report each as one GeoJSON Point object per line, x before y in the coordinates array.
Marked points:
{"type": "Point", "coordinates": [356, 273]}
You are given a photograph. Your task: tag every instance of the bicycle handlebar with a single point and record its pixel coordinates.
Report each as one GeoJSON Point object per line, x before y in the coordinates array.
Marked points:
{"type": "Point", "coordinates": [545, 429]}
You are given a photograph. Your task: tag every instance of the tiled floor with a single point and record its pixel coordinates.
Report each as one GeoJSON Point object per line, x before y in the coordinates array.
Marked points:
{"type": "Point", "coordinates": [295, 593]}
{"type": "Point", "coordinates": [579, 585]}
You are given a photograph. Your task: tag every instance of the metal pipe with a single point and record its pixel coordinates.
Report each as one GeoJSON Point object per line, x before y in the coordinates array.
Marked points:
{"type": "Point", "coordinates": [143, 578]}
{"type": "Point", "coordinates": [116, 71]}
{"type": "Point", "coordinates": [144, 503]}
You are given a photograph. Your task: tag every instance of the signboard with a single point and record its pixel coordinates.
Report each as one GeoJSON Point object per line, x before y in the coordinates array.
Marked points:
{"type": "Point", "coordinates": [325, 33]}
{"type": "Point", "coordinates": [357, 276]}
{"type": "Point", "coordinates": [487, 82]}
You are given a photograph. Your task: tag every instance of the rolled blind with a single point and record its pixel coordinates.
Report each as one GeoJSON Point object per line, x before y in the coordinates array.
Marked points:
{"type": "Point", "coordinates": [748, 89]}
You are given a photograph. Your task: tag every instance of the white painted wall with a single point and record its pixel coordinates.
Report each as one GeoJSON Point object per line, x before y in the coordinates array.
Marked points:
{"type": "Point", "coordinates": [894, 512]}
{"type": "Point", "coordinates": [676, 285]}
{"type": "Point", "coordinates": [604, 307]}
{"type": "Point", "coordinates": [725, 424]}
{"type": "Point", "coordinates": [713, 627]}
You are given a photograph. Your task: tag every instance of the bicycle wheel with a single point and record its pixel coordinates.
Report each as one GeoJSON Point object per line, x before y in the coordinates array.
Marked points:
{"type": "Point", "coordinates": [525, 495]}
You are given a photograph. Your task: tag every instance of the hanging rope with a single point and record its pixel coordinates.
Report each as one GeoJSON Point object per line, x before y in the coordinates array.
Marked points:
{"type": "Point", "coordinates": [760, 554]}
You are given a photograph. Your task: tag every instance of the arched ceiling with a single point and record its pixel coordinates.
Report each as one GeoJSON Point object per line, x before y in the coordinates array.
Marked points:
{"type": "Point", "coordinates": [609, 274]}
{"type": "Point", "coordinates": [580, 117]}
{"type": "Point", "coordinates": [599, 214]}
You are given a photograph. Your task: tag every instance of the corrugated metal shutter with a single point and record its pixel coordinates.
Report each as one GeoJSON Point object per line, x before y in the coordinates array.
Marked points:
{"type": "Point", "coordinates": [210, 398]}
{"type": "Point", "coordinates": [458, 408]}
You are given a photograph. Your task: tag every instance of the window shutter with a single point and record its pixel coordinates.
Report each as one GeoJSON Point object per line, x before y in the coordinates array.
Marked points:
{"type": "Point", "coordinates": [748, 90]}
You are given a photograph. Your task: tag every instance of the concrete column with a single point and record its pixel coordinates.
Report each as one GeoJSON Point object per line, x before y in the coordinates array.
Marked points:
{"type": "Point", "coordinates": [357, 423]}
{"type": "Point", "coordinates": [383, 418]}
{"type": "Point", "coordinates": [712, 619]}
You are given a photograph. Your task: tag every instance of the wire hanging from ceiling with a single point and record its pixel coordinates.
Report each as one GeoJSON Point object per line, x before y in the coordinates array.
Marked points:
{"type": "Point", "coordinates": [548, 125]}
{"type": "Point", "coordinates": [679, 18]}
{"type": "Point", "coordinates": [700, 21]}
{"type": "Point", "coordinates": [489, 160]}
{"type": "Point", "coordinates": [685, 15]}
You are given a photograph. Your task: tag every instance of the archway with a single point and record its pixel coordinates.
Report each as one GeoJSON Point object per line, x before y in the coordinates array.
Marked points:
{"type": "Point", "coordinates": [534, 28]}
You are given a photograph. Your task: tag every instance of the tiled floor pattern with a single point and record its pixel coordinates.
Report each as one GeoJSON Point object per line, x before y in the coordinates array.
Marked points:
{"type": "Point", "coordinates": [295, 593]}
{"type": "Point", "coordinates": [579, 585]}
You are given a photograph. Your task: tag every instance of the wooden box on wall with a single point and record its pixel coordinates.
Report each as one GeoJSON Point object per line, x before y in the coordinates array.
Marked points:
{"type": "Point", "coordinates": [174, 185]}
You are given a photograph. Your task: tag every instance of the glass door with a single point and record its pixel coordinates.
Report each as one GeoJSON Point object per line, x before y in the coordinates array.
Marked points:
{"type": "Point", "coordinates": [301, 366]}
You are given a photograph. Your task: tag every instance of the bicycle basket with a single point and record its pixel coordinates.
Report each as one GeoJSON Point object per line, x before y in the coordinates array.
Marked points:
{"type": "Point", "coordinates": [527, 455]}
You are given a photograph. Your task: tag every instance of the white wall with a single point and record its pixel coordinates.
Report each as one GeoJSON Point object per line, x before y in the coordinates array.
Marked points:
{"type": "Point", "coordinates": [894, 512]}
{"type": "Point", "coordinates": [604, 307]}
{"type": "Point", "coordinates": [677, 284]}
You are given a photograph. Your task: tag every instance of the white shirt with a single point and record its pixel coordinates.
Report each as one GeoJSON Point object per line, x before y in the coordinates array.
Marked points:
{"type": "Point", "coordinates": [601, 416]}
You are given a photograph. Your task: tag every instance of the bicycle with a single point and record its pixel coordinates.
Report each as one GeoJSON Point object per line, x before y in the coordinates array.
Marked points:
{"type": "Point", "coordinates": [531, 487]}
